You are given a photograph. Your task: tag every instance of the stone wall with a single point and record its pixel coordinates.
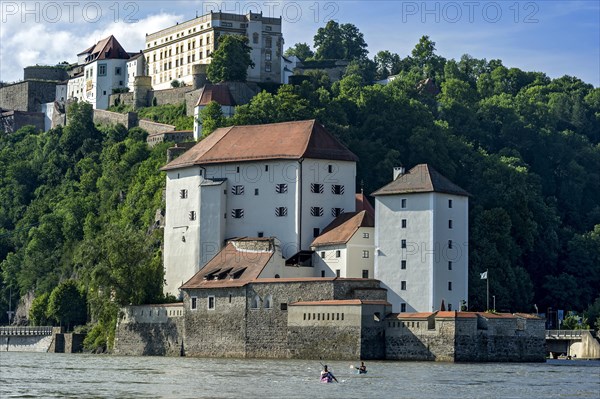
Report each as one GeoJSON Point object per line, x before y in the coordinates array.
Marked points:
{"type": "Point", "coordinates": [25, 343]}
{"type": "Point", "coordinates": [218, 332]}
{"type": "Point", "coordinates": [152, 330]}
{"type": "Point", "coordinates": [414, 339]}
{"type": "Point", "coordinates": [168, 96]}
{"type": "Point", "coordinates": [73, 342]}
{"type": "Point", "coordinates": [155, 127]}
{"type": "Point", "coordinates": [45, 73]}
{"type": "Point", "coordinates": [12, 121]}
{"type": "Point", "coordinates": [128, 120]}
{"type": "Point", "coordinates": [120, 98]}
{"type": "Point", "coordinates": [27, 95]}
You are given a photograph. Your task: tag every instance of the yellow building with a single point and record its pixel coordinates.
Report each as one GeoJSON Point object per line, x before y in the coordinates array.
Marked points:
{"type": "Point", "coordinates": [171, 53]}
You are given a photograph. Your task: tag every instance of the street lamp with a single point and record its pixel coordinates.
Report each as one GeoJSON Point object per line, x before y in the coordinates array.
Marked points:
{"type": "Point", "coordinates": [494, 301]}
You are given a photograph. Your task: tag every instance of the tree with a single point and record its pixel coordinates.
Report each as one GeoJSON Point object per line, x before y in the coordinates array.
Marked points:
{"type": "Point", "coordinates": [67, 305]}
{"type": "Point", "coordinates": [387, 64]}
{"type": "Point", "coordinates": [211, 117]}
{"type": "Point", "coordinates": [336, 41]}
{"type": "Point", "coordinates": [231, 60]}
{"type": "Point", "coordinates": [300, 50]}
{"type": "Point", "coordinates": [39, 310]}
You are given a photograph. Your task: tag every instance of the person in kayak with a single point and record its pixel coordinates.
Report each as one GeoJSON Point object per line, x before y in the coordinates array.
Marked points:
{"type": "Point", "coordinates": [327, 376]}
{"type": "Point", "coordinates": [362, 369]}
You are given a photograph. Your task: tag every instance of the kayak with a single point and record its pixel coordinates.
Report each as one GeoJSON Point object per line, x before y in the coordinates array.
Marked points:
{"type": "Point", "coordinates": [361, 371]}
{"type": "Point", "coordinates": [326, 380]}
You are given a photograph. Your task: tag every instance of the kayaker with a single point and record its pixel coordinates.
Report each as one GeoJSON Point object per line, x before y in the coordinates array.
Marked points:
{"type": "Point", "coordinates": [327, 376]}
{"type": "Point", "coordinates": [362, 369]}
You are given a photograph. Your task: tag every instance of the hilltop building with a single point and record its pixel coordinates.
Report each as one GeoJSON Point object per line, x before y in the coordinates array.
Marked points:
{"type": "Point", "coordinates": [219, 93]}
{"type": "Point", "coordinates": [171, 52]}
{"type": "Point", "coordinates": [285, 180]}
{"type": "Point", "coordinates": [105, 69]}
{"type": "Point", "coordinates": [421, 237]}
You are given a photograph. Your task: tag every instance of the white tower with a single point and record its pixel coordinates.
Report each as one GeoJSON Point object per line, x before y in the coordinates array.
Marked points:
{"type": "Point", "coordinates": [421, 240]}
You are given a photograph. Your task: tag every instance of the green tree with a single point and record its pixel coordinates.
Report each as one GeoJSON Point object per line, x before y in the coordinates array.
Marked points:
{"type": "Point", "coordinates": [300, 50]}
{"type": "Point", "coordinates": [67, 305]}
{"type": "Point", "coordinates": [231, 60]}
{"type": "Point", "coordinates": [39, 310]}
{"type": "Point", "coordinates": [335, 41]}
{"type": "Point", "coordinates": [211, 117]}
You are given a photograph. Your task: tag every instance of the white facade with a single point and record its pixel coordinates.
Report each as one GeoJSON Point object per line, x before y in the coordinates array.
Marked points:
{"type": "Point", "coordinates": [354, 259]}
{"type": "Point", "coordinates": [291, 200]}
{"type": "Point", "coordinates": [135, 67]}
{"type": "Point", "coordinates": [421, 241]}
{"type": "Point", "coordinates": [171, 52]}
{"type": "Point", "coordinates": [228, 111]}
{"type": "Point", "coordinates": [98, 80]}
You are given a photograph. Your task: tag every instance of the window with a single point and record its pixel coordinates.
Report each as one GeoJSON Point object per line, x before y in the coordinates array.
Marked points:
{"type": "Point", "coordinates": [449, 203]}
{"type": "Point", "coordinates": [283, 306]}
{"type": "Point", "coordinates": [338, 273]}
{"type": "Point", "coordinates": [183, 194]}
{"type": "Point", "coordinates": [365, 235]}
{"type": "Point", "coordinates": [449, 244]}
{"type": "Point", "coordinates": [316, 188]}
{"type": "Point", "coordinates": [268, 55]}
{"type": "Point", "coordinates": [335, 212]}
{"type": "Point", "coordinates": [192, 215]}
{"type": "Point", "coordinates": [403, 264]}
{"type": "Point", "coordinates": [322, 273]}
{"type": "Point", "coordinates": [266, 168]}
{"type": "Point", "coordinates": [227, 24]}
{"type": "Point", "coordinates": [403, 203]}
{"type": "Point", "coordinates": [449, 285]}
{"type": "Point", "coordinates": [267, 67]}
{"type": "Point", "coordinates": [255, 303]}
{"type": "Point", "coordinates": [101, 70]}
{"type": "Point", "coordinates": [194, 303]}
{"type": "Point", "coordinates": [322, 254]}
{"type": "Point", "coordinates": [211, 302]}
{"type": "Point", "coordinates": [117, 70]}
{"type": "Point", "coordinates": [337, 189]}
{"type": "Point", "coordinates": [237, 190]}
{"type": "Point", "coordinates": [365, 254]}
{"type": "Point", "coordinates": [449, 306]}
{"type": "Point", "coordinates": [403, 223]}
{"type": "Point", "coordinates": [268, 42]}
{"type": "Point", "coordinates": [316, 211]}
{"type": "Point", "coordinates": [255, 38]}
{"type": "Point", "coordinates": [237, 213]}
{"type": "Point", "coordinates": [281, 188]}
{"type": "Point", "coordinates": [316, 232]}
{"type": "Point", "coordinates": [269, 302]}
{"type": "Point", "coordinates": [449, 265]}
{"type": "Point", "coordinates": [268, 28]}
{"type": "Point", "coordinates": [403, 285]}
{"type": "Point", "coordinates": [403, 244]}
{"type": "Point", "coordinates": [329, 168]}
{"type": "Point", "coordinates": [402, 307]}
{"type": "Point", "coordinates": [260, 234]}
{"type": "Point", "coordinates": [256, 191]}
{"type": "Point", "coordinates": [450, 223]}
{"type": "Point", "coordinates": [281, 211]}
{"type": "Point", "coordinates": [237, 169]}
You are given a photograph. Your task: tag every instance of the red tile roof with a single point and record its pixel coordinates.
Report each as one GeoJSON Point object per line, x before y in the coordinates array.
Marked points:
{"type": "Point", "coordinates": [342, 228]}
{"type": "Point", "coordinates": [108, 48]}
{"type": "Point", "coordinates": [219, 93]}
{"type": "Point", "coordinates": [363, 204]}
{"type": "Point", "coordinates": [421, 179]}
{"type": "Point", "coordinates": [226, 264]}
{"type": "Point", "coordinates": [286, 140]}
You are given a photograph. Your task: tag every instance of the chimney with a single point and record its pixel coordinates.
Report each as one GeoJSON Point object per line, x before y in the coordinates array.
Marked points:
{"type": "Point", "coordinates": [398, 171]}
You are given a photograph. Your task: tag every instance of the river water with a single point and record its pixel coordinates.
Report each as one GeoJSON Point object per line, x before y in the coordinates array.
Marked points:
{"type": "Point", "coordinates": [46, 375]}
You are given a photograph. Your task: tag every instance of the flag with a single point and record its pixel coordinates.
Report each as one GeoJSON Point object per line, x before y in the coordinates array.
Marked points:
{"type": "Point", "coordinates": [484, 275]}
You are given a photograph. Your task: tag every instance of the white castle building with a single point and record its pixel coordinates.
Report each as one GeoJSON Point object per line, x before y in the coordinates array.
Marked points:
{"type": "Point", "coordinates": [421, 240]}
{"type": "Point", "coordinates": [284, 180]}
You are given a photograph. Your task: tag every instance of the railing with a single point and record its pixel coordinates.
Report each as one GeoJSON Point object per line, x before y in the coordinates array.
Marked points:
{"type": "Point", "coordinates": [565, 334]}
{"type": "Point", "coordinates": [21, 331]}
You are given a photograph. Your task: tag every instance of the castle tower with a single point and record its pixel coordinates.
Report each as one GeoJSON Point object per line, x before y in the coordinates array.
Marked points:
{"type": "Point", "coordinates": [421, 240]}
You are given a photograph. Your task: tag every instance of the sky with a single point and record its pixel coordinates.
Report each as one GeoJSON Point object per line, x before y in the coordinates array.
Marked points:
{"type": "Point", "coordinates": [555, 37]}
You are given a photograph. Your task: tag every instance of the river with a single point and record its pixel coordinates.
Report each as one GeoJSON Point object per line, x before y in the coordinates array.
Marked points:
{"type": "Point", "coordinates": [46, 375]}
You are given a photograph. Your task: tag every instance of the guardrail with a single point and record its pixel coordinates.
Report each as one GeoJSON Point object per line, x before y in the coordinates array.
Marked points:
{"type": "Point", "coordinates": [565, 334]}
{"type": "Point", "coordinates": [23, 331]}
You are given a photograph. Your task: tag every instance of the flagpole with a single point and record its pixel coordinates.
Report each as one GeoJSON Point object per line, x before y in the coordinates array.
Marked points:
{"type": "Point", "coordinates": [487, 280]}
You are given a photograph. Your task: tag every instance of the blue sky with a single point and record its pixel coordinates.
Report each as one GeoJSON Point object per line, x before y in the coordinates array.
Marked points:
{"type": "Point", "coordinates": [555, 37]}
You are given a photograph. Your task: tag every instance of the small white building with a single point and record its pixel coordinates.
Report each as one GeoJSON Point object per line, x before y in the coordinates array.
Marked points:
{"type": "Point", "coordinates": [105, 69]}
{"type": "Point", "coordinates": [421, 239]}
{"type": "Point", "coordinates": [136, 66]}
{"type": "Point", "coordinates": [346, 247]}
{"type": "Point", "coordinates": [288, 64]}
{"type": "Point", "coordinates": [219, 93]}
{"type": "Point", "coordinates": [284, 180]}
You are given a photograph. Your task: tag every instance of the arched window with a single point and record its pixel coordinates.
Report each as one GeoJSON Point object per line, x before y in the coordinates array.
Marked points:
{"type": "Point", "coordinates": [255, 304]}
{"type": "Point", "coordinates": [269, 302]}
